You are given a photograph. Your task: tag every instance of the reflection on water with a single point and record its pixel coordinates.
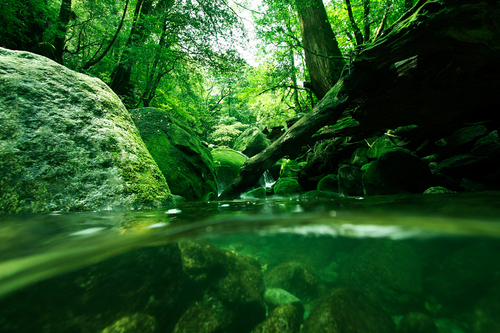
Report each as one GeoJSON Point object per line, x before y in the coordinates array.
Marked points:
{"type": "Point", "coordinates": [377, 264]}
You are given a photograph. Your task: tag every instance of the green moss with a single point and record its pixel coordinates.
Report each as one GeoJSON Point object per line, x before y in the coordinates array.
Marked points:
{"type": "Point", "coordinates": [287, 186]}
{"type": "Point", "coordinates": [227, 163]}
{"type": "Point", "coordinates": [184, 162]}
{"type": "Point", "coordinates": [329, 183]}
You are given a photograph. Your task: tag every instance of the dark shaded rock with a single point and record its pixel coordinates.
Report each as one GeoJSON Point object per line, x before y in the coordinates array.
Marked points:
{"type": "Point", "coordinates": [251, 142]}
{"type": "Point", "coordinates": [284, 319]}
{"type": "Point", "coordinates": [488, 146]}
{"type": "Point", "coordinates": [462, 141]}
{"type": "Point", "coordinates": [227, 165]}
{"type": "Point", "coordinates": [294, 277]}
{"type": "Point", "coordinates": [347, 310]}
{"type": "Point", "coordinates": [465, 166]}
{"type": "Point", "coordinates": [465, 275]}
{"type": "Point", "coordinates": [329, 183]}
{"type": "Point", "coordinates": [397, 171]}
{"type": "Point", "coordinates": [359, 156]}
{"type": "Point", "coordinates": [349, 178]}
{"type": "Point", "coordinates": [409, 131]}
{"type": "Point", "coordinates": [197, 319]}
{"type": "Point", "coordinates": [232, 285]}
{"type": "Point", "coordinates": [100, 296]}
{"type": "Point", "coordinates": [388, 272]}
{"type": "Point", "coordinates": [287, 186]}
{"type": "Point", "coordinates": [135, 323]}
{"type": "Point", "coordinates": [486, 315]}
{"type": "Point", "coordinates": [438, 190]}
{"type": "Point", "coordinates": [67, 143]}
{"type": "Point", "coordinates": [319, 194]}
{"type": "Point", "coordinates": [275, 297]}
{"type": "Point", "coordinates": [186, 164]}
{"type": "Point", "coordinates": [416, 322]}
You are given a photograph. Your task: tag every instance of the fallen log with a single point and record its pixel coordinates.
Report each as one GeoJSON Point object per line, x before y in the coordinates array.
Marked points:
{"type": "Point", "coordinates": [438, 64]}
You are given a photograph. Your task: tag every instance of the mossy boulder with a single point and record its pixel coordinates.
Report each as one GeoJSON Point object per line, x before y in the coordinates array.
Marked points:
{"type": "Point", "coordinates": [68, 143]}
{"type": "Point", "coordinates": [227, 165]}
{"type": "Point", "coordinates": [384, 144]}
{"type": "Point", "coordinates": [296, 278]}
{"type": "Point", "coordinates": [329, 183]}
{"type": "Point", "coordinates": [347, 310]}
{"type": "Point", "coordinates": [284, 319]}
{"type": "Point", "coordinates": [186, 164]}
{"type": "Point", "coordinates": [251, 142]}
{"type": "Point", "coordinates": [287, 186]}
{"type": "Point", "coordinates": [257, 193]}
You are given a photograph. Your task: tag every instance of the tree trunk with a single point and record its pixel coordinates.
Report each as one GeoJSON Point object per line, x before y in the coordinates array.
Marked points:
{"type": "Point", "coordinates": [437, 65]}
{"type": "Point", "coordinates": [120, 78]}
{"type": "Point", "coordinates": [62, 28]}
{"type": "Point", "coordinates": [323, 57]}
{"type": "Point", "coordinates": [366, 20]}
{"type": "Point", "coordinates": [354, 25]}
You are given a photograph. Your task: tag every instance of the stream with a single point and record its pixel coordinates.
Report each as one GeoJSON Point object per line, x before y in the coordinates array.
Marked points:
{"type": "Point", "coordinates": [84, 272]}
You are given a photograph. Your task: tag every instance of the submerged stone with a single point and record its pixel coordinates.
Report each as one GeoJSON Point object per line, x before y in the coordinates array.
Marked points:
{"type": "Point", "coordinates": [284, 319]}
{"type": "Point", "coordinates": [185, 163]}
{"type": "Point", "coordinates": [231, 285]}
{"type": "Point", "coordinates": [347, 310]}
{"type": "Point", "coordinates": [68, 143]}
{"type": "Point", "coordinates": [138, 322]}
{"type": "Point", "coordinates": [275, 297]}
{"type": "Point", "coordinates": [386, 271]}
{"type": "Point", "coordinates": [296, 278]}
{"type": "Point", "coordinates": [416, 322]}
{"type": "Point", "coordinates": [438, 190]}
{"type": "Point", "coordinates": [199, 320]}
{"type": "Point", "coordinates": [251, 142]}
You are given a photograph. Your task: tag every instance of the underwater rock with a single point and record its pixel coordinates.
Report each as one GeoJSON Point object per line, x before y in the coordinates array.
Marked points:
{"type": "Point", "coordinates": [186, 164]}
{"type": "Point", "coordinates": [486, 315]}
{"type": "Point", "coordinates": [287, 186]}
{"type": "Point", "coordinates": [294, 277]}
{"type": "Point", "coordinates": [197, 320]}
{"type": "Point", "coordinates": [397, 171]}
{"type": "Point", "coordinates": [68, 143]}
{"type": "Point", "coordinates": [227, 165]}
{"type": "Point", "coordinates": [135, 323]}
{"type": "Point", "coordinates": [275, 297]}
{"type": "Point", "coordinates": [346, 310]}
{"type": "Point", "coordinates": [251, 142]}
{"type": "Point", "coordinates": [416, 322]}
{"type": "Point", "coordinates": [231, 285]}
{"type": "Point", "coordinates": [328, 183]}
{"type": "Point", "coordinates": [285, 318]}
{"type": "Point", "coordinates": [388, 272]}
{"type": "Point", "coordinates": [349, 177]}
{"type": "Point", "coordinates": [465, 275]}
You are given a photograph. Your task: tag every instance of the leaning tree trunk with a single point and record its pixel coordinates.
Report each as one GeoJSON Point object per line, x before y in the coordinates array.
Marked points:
{"type": "Point", "coordinates": [323, 57]}
{"type": "Point", "coordinates": [436, 65]}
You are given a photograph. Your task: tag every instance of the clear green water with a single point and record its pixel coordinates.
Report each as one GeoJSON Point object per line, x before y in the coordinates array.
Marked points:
{"type": "Point", "coordinates": [126, 272]}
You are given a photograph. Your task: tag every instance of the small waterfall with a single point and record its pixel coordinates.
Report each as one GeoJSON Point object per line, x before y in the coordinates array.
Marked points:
{"type": "Point", "coordinates": [267, 180]}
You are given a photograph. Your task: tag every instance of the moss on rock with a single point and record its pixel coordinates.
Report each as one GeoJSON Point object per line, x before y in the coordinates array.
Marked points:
{"type": "Point", "coordinates": [227, 164]}
{"type": "Point", "coordinates": [251, 142]}
{"type": "Point", "coordinates": [185, 163]}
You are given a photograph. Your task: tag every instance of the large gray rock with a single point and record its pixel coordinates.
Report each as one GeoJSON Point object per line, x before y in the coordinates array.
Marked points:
{"type": "Point", "coordinates": [68, 143]}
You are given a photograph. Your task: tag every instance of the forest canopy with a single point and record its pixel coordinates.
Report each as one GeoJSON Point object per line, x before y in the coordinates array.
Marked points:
{"type": "Point", "coordinates": [188, 56]}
